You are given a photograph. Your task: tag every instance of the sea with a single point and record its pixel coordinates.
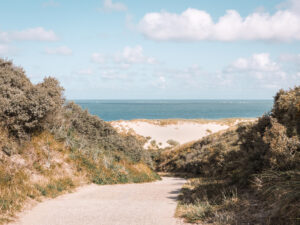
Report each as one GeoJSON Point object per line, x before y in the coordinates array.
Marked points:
{"type": "Point", "coordinates": [110, 110]}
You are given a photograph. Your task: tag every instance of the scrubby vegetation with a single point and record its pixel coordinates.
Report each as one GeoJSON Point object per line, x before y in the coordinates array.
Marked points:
{"type": "Point", "coordinates": [48, 146]}
{"type": "Point", "coordinates": [248, 174]}
{"type": "Point", "coordinates": [26, 108]}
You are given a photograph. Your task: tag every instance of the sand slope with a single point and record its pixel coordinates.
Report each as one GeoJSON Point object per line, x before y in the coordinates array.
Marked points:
{"type": "Point", "coordinates": [181, 131]}
{"type": "Point", "coordinates": [126, 204]}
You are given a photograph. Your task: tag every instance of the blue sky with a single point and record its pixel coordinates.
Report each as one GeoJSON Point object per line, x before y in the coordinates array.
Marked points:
{"type": "Point", "coordinates": [171, 49]}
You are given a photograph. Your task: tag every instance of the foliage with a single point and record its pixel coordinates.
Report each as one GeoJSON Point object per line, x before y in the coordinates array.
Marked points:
{"type": "Point", "coordinates": [26, 108]}
{"type": "Point", "coordinates": [90, 133]}
{"type": "Point", "coordinates": [260, 160]}
{"type": "Point", "coordinates": [173, 142]}
{"type": "Point", "coordinates": [48, 147]}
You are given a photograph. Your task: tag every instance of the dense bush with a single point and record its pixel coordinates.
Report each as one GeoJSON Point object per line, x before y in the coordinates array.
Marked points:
{"type": "Point", "coordinates": [261, 159]}
{"type": "Point", "coordinates": [26, 108]}
{"type": "Point", "coordinates": [286, 110]}
{"type": "Point", "coordinates": [268, 146]}
{"type": "Point", "coordinates": [93, 133]}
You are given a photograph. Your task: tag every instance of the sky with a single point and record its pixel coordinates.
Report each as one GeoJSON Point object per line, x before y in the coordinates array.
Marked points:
{"type": "Point", "coordinates": [158, 49]}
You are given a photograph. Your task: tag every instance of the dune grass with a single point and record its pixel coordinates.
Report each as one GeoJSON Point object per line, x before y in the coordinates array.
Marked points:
{"type": "Point", "coordinates": [248, 174]}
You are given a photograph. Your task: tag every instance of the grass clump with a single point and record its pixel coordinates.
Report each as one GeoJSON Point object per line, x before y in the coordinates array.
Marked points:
{"type": "Point", "coordinates": [172, 142]}
{"type": "Point", "coordinates": [55, 187]}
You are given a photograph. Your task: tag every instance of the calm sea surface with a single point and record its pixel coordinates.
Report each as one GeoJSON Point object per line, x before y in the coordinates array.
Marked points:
{"type": "Point", "coordinates": [162, 109]}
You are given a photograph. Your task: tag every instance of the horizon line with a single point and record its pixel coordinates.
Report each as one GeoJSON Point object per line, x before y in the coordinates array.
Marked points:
{"type": "Point", "coordinates": [131, 99]}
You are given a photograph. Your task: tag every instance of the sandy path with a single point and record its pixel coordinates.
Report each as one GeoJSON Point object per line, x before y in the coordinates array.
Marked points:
{"type": "Point", "coordinates": [129, 204]}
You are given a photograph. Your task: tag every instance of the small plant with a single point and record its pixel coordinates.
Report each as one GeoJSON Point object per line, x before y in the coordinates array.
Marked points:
{"type": "Point", "coordinates": [173, 142]}
{"type": "Point", "coordinates": [208, 131]}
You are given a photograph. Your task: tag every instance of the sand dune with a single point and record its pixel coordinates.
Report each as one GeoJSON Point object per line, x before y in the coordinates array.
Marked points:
{"type": "Point", "coordinates": [181, 131]}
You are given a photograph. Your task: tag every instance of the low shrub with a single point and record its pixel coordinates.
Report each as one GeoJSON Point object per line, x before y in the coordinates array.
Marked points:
{"type": "Point", "coordinates": [173, 142]}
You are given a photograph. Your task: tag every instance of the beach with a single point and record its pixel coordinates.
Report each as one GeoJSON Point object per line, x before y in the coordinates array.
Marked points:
{"type": "Point", "coordinates": [178, 130]}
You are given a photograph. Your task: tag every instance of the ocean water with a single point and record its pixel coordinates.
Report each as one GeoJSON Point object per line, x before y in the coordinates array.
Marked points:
{"type": "Point", "coordinates": [109, 110]}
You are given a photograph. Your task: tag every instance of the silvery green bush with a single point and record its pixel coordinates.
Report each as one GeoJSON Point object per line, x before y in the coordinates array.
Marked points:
{"type": "Point", "coordinates": [26, 108]}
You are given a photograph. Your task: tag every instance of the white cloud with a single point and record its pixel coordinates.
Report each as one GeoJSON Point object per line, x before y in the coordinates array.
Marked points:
{"type": "Point", "coordinates": [260, 71]}
{"type": "Point", "coordinates": [98, 58]}
{"type": "Point", "coordinates": [134, 55]}
{"type": "Point", "coordinates": [108, 5]}
{"type": "Point", "coordinates": [293, 5]}
{"type": "Point", "coordinates": [62, 50]}
{"type": "Point", "coordinates": [124, 59]}
{"type": "Point", "coordinates": [197, 25]}
{"type": "Point", "coordinates": [256, 63]}
{"type": "Point", "coordinates": [31, 34]}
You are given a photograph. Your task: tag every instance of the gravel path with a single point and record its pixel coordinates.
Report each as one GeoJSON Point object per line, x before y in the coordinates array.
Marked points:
{"type": "Point", "coordinates": [130, 204]}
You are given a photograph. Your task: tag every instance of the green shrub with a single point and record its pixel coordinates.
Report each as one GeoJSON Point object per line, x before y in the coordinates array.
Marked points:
{"type": "Point", "coordinates": [261, 160]}
{"type": "Point", "coordinates": [286, 110]}
{"type": "Point", "coordinates": [26, 108]}
{"type": "Point", "coordinates": [173, 142]}
{"type": "Point", "coordinates": [90, 132]}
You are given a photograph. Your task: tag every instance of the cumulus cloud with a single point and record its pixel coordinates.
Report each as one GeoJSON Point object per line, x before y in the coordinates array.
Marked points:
{"type": "Point", "coordinates": [62, 50]}
{"type": "Point", "coordinates": [98, 58]}
{"type": "Point", "coordinates": [34, 34]}
{"type": "Point", "coordinates": [124, 59]}
{"type": "Point", "coordinates": [293, 5]}
{"type": "Point", "coordinates": [134, 55]}
{"type": "Point", "coordinates": [197, 25]}
{"type": "Point", "coordinates": [109, 5]}
{"type": "Point", "coordinates": [256, 71]}
{"type": "Point", "coordinates": [262, 71]}
{"type": "Point", "coordinates": [257, 62]}
{"type": "Point", "coordinates": [31, 34]}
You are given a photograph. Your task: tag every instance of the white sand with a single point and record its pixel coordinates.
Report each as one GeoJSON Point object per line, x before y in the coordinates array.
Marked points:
{"type": "Point", "coordinates": [182, 132]}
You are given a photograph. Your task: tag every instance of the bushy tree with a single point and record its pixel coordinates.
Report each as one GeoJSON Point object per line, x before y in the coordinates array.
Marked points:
{"type": "Point", "coordinates": [26, 108]}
